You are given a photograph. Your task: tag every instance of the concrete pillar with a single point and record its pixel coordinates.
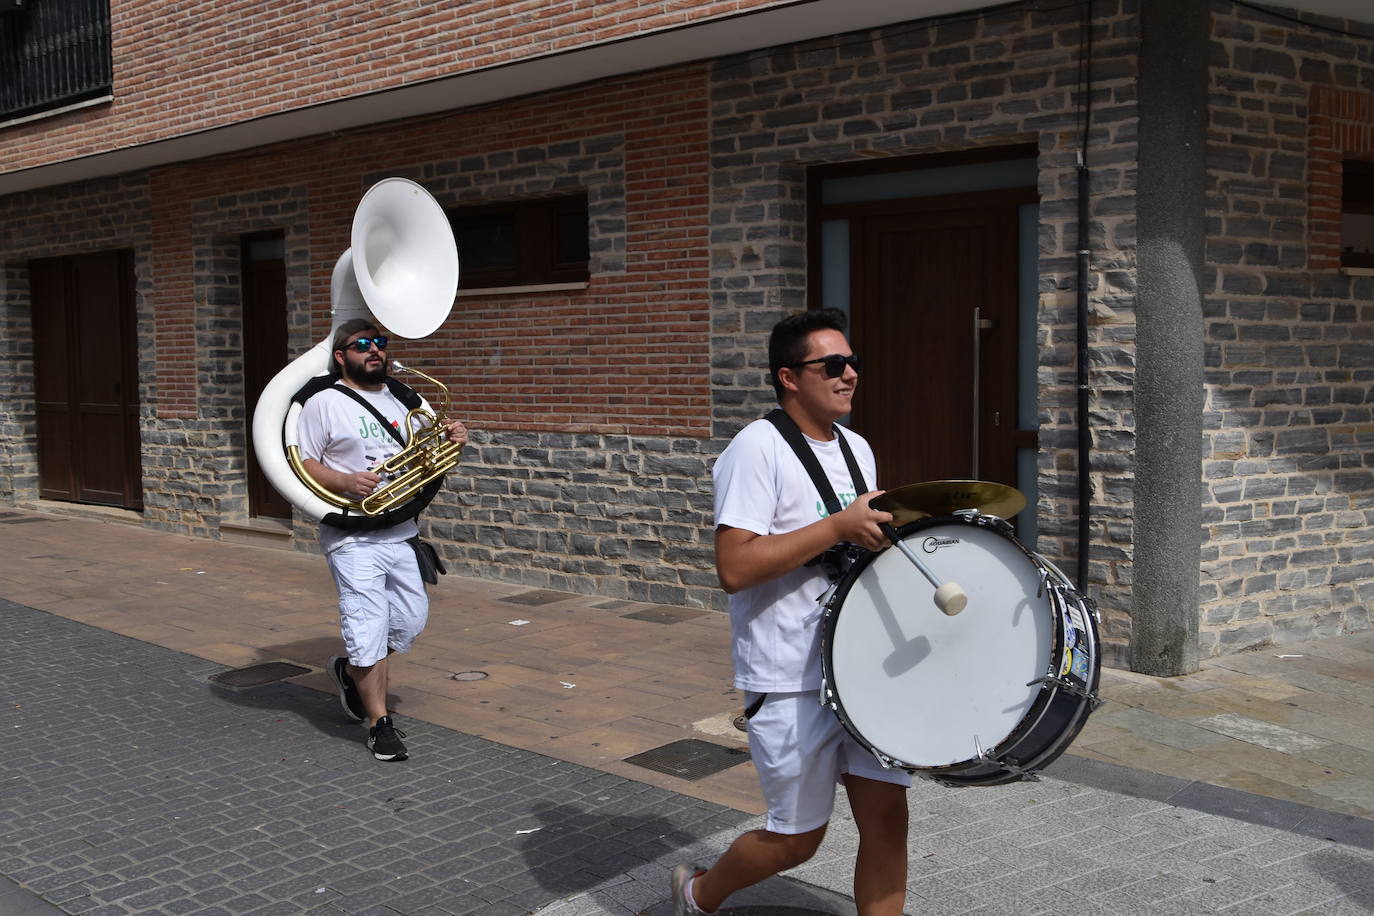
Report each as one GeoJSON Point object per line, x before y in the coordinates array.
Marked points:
{"type": "Point", "coordinates": [1170, 213]}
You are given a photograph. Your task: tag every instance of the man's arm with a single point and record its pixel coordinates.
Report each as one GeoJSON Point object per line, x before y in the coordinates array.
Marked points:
{"type": "Point", "coordinates": [352, 486]}
{"type": "Point", "coordinates": [745, 558]}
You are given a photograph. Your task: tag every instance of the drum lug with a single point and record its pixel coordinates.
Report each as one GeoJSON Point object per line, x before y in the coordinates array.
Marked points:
{"type": "Point", "coordinates": [1011, 767]}
{"type": "Point", "coordinates": [1092, 607]}
{"type": "Point", "coordinates": [1070, 688]}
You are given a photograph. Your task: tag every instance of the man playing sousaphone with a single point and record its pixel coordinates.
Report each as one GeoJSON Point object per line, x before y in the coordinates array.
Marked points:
{"type": "Point", "coordinates": [345, 430]}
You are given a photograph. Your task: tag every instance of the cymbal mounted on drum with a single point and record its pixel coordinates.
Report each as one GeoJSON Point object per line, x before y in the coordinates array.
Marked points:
{"type": "Point", "coordinates": [945, 497]}
{"type": "Point", "coordinates": [401, 271]}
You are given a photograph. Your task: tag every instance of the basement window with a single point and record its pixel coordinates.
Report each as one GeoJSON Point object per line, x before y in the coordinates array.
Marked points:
{"type": "Point", "coordinates": [522, 243]}
{"type": "Point", "coordinates": [1357, 216]}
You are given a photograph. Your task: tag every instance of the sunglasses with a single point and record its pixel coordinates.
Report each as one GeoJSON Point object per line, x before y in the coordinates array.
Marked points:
{"type": "Point", "coordinates": [834, 364]}
{"type": "Point", "coordinates": [363, 344]}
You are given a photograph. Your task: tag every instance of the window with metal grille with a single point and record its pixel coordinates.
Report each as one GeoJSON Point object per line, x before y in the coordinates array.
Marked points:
{"type": "Point", "coordinates": [53, 53]}
{"type": "Point", "coordinates": [523, 242]}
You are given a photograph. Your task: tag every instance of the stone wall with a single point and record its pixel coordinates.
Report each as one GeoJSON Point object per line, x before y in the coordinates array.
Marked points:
{"type": "Point", "coordinates": [1002, 77]}
{"type": "Point", "coordinates": [92, 216]}
{"type": "Point", "coordinates": [1287, 480]}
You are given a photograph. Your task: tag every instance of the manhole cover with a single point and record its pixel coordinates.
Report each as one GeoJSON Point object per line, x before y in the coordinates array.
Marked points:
{"type": "Point", "coordinates": [537, 597]}
{"type": "Point", "coordinates": [690, 759]}
{"type": "Point", "coordinates": [614, 604]}
{"type": "Point", "coordinates": [664, 614]}
{"type": "Point", "coordinates": [255, 675]}
{"type": "Point", "coordinates": [470, 676]}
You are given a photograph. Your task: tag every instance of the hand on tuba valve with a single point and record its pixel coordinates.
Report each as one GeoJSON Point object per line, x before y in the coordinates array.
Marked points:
{"type": "Point", "coordinates": [431, 452]}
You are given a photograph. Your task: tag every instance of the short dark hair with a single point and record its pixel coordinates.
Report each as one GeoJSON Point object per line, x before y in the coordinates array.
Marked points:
{"type": "Point", "coordinates": [349, 328]}
{"type": "Point", "coordinates": [343, 332]}
{"type": "Point", "coordinates": [787, 342]}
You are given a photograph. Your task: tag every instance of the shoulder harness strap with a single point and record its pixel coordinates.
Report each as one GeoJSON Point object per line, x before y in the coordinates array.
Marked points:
{"type": "Point", "coordinates": [792, 434]}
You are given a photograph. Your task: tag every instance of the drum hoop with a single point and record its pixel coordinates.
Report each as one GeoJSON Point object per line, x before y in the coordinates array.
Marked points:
{"type": "Point", "coordinates": [1051, 693]}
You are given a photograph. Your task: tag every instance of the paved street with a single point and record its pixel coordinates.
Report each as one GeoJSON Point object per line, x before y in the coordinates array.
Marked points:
{"type": "Point", "coordinates": [136, 784]}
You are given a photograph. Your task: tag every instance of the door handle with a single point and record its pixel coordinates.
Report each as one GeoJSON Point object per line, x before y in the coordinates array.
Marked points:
{"type": "Point", "coordinates": [978, 325]}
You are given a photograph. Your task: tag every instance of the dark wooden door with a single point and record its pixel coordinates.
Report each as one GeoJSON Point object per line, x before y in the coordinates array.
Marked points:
{"type": "Point", "coordinates": [264, 350]}
{"type": "Point", "coordinates": [935, 315]}
{"type": "Point", "coordinates": [85, 379]}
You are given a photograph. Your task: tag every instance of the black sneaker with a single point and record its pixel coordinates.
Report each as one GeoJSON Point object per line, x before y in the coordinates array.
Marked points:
{"type": "Point", "coordinates": [349, 697]}
{"type": "Point", "coordinates": [384, 740]}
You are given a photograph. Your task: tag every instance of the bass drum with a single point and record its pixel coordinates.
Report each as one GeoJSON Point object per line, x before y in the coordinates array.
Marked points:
{"type": "Point", "coordinates": [985, 697]}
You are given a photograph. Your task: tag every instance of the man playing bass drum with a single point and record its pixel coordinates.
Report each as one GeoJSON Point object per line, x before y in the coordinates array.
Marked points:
{"type": "Point", "coordinates": [771, 525]}
{"type": "Point", "coordinates": [382, 601]}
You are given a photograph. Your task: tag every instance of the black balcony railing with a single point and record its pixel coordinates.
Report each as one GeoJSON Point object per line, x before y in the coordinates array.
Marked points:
{"type": "Point", "coordinates": [52, 53]}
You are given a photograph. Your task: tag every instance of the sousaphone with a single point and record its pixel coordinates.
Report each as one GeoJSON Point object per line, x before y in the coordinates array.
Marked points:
{"type": "Point", "coordinates": [402, 273]}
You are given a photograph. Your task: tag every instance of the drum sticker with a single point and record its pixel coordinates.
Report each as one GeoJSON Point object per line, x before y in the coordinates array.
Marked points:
{"type": "Point", "coordinates": [1075, 611]}
{"type": "Point", "coordinates": [1067, 663]}
{"type": "Point", "coordinates": [932, 544]}
{"type": "Point", "coordinates": [1080, 666]}
{"type": "Point", "coordinates": [1073, 632]}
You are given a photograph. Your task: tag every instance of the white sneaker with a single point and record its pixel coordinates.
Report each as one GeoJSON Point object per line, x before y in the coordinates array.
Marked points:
{"type": "Point", "coordinates": [681, 905]}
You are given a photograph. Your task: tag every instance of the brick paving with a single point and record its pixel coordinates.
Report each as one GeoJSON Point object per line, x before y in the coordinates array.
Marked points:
{"type": "Point", "coordinates": [137, 785]}
{"type": "Point", "coordinates": [134, 785]}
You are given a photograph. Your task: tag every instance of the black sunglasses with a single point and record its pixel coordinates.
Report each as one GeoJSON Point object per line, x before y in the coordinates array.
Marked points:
{"type": "Point", "coordinates": [363, 344]}
{"type": "Point", "coordinates": [834, 364]}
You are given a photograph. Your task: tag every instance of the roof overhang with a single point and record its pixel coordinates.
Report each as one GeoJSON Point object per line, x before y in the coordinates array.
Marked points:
{"type": "Point", "coordinates": [796, 21]}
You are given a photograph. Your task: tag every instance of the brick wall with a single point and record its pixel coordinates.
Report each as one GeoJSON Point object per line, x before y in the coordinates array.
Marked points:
{"type": "Point", "coordinates": [256, 59]}
{"type": "Point", "coordinates": [1290, 349]}
{"type": "Point", "coordinates": [94, 216]}
{"type": "Point", "coordinates": [1340, 125]}
{"type": "Point", "coordinates": [590, 406]}
{"type": "Point", "coordinates": [597, 412]}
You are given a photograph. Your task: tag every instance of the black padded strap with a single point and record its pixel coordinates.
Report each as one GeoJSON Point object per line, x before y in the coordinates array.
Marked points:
{"type": "Point", "coordinates": [386, 424]}
{"type": "Point", "coordinates": [792, 434]}
{"type": "Point", "coordinates": [403, 392]}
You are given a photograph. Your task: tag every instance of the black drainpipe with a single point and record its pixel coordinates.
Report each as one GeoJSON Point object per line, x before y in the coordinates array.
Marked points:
{"type": "Point", "coordinates": [1084, 231]}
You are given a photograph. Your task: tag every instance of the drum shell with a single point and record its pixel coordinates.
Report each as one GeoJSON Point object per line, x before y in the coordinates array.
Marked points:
{"type": "Point", "coordinates": [1059, 707]}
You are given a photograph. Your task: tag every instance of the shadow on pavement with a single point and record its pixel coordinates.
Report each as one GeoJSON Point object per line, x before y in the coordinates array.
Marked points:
{"type": "Point", "coordinates": [320, 711]}
{"type": "Point", "coordinates": [1348, 872]}
{"type": "Point", "coordinates": [575, 850]}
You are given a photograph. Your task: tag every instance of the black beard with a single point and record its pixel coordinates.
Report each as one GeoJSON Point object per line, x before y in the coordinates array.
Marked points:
{"type": "Point", "coordinates": [361, 375]}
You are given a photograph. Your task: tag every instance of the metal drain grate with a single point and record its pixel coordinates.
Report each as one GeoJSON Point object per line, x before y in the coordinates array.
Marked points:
{"type": "Point", "coordinates": [664, 614]}
{"type": "Point", "coordinates": [690, 759]}
{"type": "Point", "coordinates": [537, 597]}
{"type": "Point", "coordinates": [256, 675]}
{"type": "Point", "coordinates": [614, 604]}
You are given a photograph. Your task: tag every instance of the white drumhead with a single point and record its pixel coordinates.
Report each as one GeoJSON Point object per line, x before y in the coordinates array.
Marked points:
{"type": "Point", "coordinates": [922, 687]}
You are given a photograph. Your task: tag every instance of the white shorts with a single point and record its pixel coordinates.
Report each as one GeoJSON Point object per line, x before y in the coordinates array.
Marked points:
{"type": "Point", "coordinates": [382, 600]}
{"type": "Point", "coordinates": [801, 751]}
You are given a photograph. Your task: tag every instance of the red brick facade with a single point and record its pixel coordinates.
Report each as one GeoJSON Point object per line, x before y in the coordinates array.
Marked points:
{"type": "Point", "coordinates": [1340, 124]}
{"type": "Point", "coordinates": [624, 355]}
{"type": "Point", "coordinates": [260, 59]}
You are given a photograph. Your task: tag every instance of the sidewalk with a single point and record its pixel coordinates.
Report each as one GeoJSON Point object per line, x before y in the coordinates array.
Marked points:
{"type": "Point", "coordinates": [1280, 742]}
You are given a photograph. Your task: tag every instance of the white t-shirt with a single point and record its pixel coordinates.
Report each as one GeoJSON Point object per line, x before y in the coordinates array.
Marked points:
{"type": "Point", "coordinates": [761, 486]}
{"type": "Point", "coordinates": [341, 434]}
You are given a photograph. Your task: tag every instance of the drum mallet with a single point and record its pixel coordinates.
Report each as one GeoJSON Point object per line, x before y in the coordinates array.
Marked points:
{"type": "Point", "coordinates": [949, 597]}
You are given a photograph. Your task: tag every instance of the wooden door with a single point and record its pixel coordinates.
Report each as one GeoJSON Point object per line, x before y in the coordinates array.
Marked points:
{"type": "Point", "coordinates": [934, 313]}
{"type": "Point", "coordinates": [264, 351]}
{"type": "Point", "coordinates": [86, 379]}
